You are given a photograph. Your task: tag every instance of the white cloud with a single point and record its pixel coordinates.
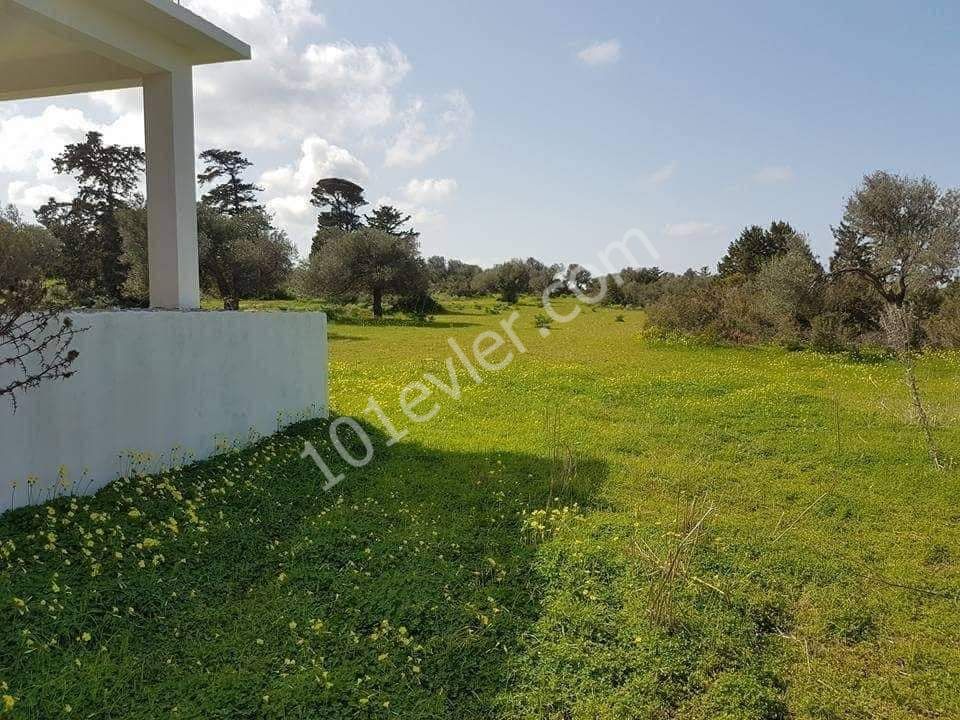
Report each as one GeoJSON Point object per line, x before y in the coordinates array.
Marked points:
{"type": "Point", "coordinates": [429, 190]}
{"type": "Point", "coordinates": [29, 197]}
{"type": "Point", "coordinates": [30, 142]}
{"type": "Point", "coordinates": [422, 137]}
{"type": "Point", "coordinates": [420, 216]}
{"type": "Point", "coordinates": [601, 53]}
{"type": "Point", "coordinates": [287, 188]}
{"type": "Point", "coordinates": [295, 109]}
{"type": "Point", "coordinates": [773, 174]}
{"type": "Point", "coordinates": [662, 175]}
{"type": "Point", "coordinates": [692, 228]}
{"type": "Point", "coordinates": [293, 87]}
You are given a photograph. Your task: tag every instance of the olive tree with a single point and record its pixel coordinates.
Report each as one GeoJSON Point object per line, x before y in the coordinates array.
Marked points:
{"type": "Point", "coordinates": [905, 242]}
{"type": "Point", "coordinates": [370, 261]}
{"type": "Point", "coordinates": [791, 287]}
{"type": "Point", "coordinates": [242, 255]}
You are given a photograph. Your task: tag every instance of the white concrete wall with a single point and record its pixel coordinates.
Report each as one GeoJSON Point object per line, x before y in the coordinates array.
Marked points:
{"type": "Point", "coordinates": [148, 382]}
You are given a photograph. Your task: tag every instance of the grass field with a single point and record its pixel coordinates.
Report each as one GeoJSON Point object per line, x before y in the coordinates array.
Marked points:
{"type": "Point", "coordinates": [610, 527]}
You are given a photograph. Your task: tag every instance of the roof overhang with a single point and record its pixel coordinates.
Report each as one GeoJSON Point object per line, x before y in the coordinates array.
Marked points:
{"type": "Point", "coordinates": [56, 47]}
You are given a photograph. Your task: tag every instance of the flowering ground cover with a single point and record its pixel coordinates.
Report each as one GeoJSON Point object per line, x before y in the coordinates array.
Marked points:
{"type": "Point", "coordinates": [609, 527]}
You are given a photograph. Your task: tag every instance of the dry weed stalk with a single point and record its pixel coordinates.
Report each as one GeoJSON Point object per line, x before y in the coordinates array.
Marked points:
{"type": "Point", "coordinates": [898, 325]}
{"type": "Point", "coordinates": [563, 460]}
{"type": "Point", "coordinates": [671, 565]}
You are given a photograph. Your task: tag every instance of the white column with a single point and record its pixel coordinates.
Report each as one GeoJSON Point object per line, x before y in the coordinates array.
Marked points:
{"type": "Point", "coordinates": [171, 190]}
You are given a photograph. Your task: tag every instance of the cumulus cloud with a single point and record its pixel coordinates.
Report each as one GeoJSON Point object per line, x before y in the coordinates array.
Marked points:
{"type": "Point", "coordinates": [287, 188]}
{"type": "Point", "coordinates": [692, 228]}
{"type": "Point", "coordinates": [773, 174]}
{"type": "Point", "coordinates": [293, 86]}
{"type": "Point", "coordinates": [30, 142]}
{"type": "Point", "coordinates": [342, 96]}
{"type": "Point", "coordinates": [429, 189]}
{"type": "Point", "coordinates": [423, 135]}
{"type": "Point", "coordinates": [600, 53]}
{"type": "Point", "coordinates": [27, 196]}
{"type": "Point", "coordinates": [420, 216]}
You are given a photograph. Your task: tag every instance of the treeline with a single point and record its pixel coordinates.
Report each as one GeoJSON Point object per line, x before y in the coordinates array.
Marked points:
{"type": "Point", "coordinates": [893, 272]}
{"type": "Point", "coordinates": [892, 278]}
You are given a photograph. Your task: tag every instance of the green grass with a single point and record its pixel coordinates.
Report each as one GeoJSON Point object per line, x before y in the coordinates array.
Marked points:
{"type": "Point", "coordinates": [822, 583]}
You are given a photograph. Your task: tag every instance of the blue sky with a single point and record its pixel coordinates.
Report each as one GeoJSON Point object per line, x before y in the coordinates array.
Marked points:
{"type": "Point", "coordinates": [492, 125]}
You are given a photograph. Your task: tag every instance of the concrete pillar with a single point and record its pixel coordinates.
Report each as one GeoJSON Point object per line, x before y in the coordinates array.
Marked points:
{"type": "Point", "coordinates": [171, 190]}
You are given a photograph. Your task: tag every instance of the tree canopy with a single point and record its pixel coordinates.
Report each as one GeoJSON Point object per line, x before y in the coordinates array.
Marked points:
{"type": "Point", "coordinates": [107, 177]}
{"type": "Point", "coordinates": [901, 234]}
{"type": "Point", "coordinates": [339, 201]}
{"type": "Point", "coordinates": [391, 220]}
{"type": "Point", "coordinates": [755, 246]}
{"type": "Point", "coordinates": [371, 261]}
{"type": "Point", "coordinates": [232, 196]}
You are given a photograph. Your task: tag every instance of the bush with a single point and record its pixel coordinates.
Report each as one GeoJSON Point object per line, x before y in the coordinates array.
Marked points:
{"type": "Point", "coordinates": [27, 251]}
{"type": "Point", "coordinates": [542, 321]}
{"type": "Point", "coordinates": [828, 333]}
{"type": "Point", "coordinates": [943, 329]}
{"type": "Point", "coordinates": [688, 304]}
{"type": "Point", "coordinates": [419, 304]}
{"type": "Point", "coordinates": [712, 309]}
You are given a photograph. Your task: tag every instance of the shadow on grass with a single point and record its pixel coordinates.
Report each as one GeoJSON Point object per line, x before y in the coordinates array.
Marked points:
{"type": "Point", "coordinates": [398, 322]}
{"type": "Point", "coordinates": [345, 338]}
{"type": "Point", "coordinates": [402, 592]}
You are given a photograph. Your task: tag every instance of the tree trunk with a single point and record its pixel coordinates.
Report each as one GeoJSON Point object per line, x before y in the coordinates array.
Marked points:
{"type": "Point", "coordinates": [378, 303]}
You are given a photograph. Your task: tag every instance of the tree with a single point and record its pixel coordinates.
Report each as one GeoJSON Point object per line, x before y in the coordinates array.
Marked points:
{"type": "Point", "coordinates": [437, 270]}
{"type": "Point", "coordinates": [339, 201]}
{"type": "Point", "coordinates": [242, 256]}
{"type": "Point", "coordinates": [391, 220]}
{"type": "Point", "coordinates": [233, 196]}
{"type": "Point", "coordinates": [26, 251]}
{"type": "Point", "coordinates": [542, 275]}
{"type": "Point", "coordinates": [901, 235]}
{"type": "Point", "coordinates": [459, 278]}
{"type": "Point", "coordinates": [791, 287]}
{"type": "Point", "coordinates": [634, 286]}
{"type": "Point", "coordinates": [370, 261]}
{"type": "Point", "coordinates": [903, 238]}
{"type": "Point", "coordinates": [578, 278]}
{"type": "Point", "coordinates": [108, 177]}
{"type": "Point", "coordinates": [511, 279]}
{"type": "Point", "coordinates": [850, 296]}
{"type": "Point", "coordinates": [755, 246]}
{"type": "Point", "coordinates": [135, 257]}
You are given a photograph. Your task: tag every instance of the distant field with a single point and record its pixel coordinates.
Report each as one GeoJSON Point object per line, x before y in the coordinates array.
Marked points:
{"type": "Point", "coordinates": [609, 527]}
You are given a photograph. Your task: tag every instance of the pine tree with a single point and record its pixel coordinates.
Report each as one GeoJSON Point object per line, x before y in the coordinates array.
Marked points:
{"type": "Point", "coordinates": [108, 177]}
{"type": "Point", "coordinates": [233, 196]}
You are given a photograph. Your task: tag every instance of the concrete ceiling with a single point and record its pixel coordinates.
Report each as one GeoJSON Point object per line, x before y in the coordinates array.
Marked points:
{"type": "Point", "coordinates": [55, 47]}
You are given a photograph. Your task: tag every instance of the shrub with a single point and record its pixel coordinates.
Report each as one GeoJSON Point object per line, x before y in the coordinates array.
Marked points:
{"type": "Point", "coordinates": [943, 329]}
{"type": "Point", "coordinates": [26, 251]}
{"type": "Point", "coordinates": [828, 333]}
{"type": "Point", "coordinates": [542, 321]}
{"type": "Point", "coordinates": [790, 286]}
{"type": "Point", "coordinates": [689, 304]}
{"type": "Point", "coordinates": [419, 304]}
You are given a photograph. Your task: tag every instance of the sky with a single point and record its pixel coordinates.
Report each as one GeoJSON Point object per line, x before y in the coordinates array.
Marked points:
{"type": "Point", "coordinates": [527, 128]}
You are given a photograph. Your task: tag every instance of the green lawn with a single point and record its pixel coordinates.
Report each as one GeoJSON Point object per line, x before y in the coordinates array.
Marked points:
{"type": "Point", "coordinates": [507, 559]}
